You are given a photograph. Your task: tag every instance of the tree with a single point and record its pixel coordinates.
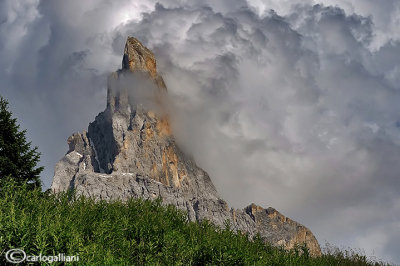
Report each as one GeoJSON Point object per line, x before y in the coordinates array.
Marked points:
{"type": "Point", "coordinates": [17, 159]}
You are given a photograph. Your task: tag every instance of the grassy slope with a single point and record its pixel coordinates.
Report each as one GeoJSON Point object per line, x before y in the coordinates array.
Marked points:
{"type": "Point", "coordinates": [136, 233]}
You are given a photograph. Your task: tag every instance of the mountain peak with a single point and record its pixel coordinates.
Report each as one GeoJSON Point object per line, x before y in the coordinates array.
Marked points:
{"type": "Point", "coordinates": [138, 58]}
{"type": "Point", "coordinates": [129, 151]}
{"type": "Point", "coordinates": [139, 62]}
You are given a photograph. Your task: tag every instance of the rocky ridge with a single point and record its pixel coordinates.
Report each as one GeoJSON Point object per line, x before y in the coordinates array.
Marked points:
{"type": "Point", "coordinates": [129, 151]}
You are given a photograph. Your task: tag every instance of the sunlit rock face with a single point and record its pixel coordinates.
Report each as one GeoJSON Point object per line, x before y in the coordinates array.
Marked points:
{"type": "Point", "coordinates": [130, 151]}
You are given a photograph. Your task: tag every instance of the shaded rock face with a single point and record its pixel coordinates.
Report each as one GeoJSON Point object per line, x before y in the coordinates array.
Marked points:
{"type": "Point", "coordinates": [129, 151]}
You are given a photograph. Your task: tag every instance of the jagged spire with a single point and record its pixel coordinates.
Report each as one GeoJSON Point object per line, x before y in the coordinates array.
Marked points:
{"type": "Point", "coordinates": [138, 58]}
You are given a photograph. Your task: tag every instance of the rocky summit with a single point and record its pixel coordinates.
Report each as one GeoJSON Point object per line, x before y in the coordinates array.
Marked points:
{"type": "Point", "coordinates": [129, 151]}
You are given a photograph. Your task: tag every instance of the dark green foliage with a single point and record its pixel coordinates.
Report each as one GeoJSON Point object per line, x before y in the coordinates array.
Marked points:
{"type": "Point", "coordinates": [17, 158]}
{"type": "Point", "coordinates": [135, 233]}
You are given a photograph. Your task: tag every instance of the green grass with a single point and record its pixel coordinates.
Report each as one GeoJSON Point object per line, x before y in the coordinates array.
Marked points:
{"type": "Point", "coordinates": [138, 232]}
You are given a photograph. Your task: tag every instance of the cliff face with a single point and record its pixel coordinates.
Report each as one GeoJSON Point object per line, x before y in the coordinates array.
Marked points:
{"type": "Point", "coordinates": [129, 151]}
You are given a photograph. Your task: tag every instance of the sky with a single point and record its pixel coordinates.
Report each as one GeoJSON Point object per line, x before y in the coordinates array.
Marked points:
{"type": "Point", "coordinates": [290, 104]}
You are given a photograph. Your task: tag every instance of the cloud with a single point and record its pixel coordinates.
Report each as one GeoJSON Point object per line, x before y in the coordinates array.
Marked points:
{"type": "Point", "coordinates": [295, 108]}
{"type": "Point", "coordinates": [304, 109]}
{"type": "Point", "coordinates": [385, 15]}
{"type": "Point", "coordinates": [56, 57]}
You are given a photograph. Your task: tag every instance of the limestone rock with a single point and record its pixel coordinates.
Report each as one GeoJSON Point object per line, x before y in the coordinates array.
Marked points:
{"type": "Point", "coordinates": [129, 151]}
{"type": "Point", "coordinates": [280, 229]}
{"type": "Point", "coordinates": [138, 58]}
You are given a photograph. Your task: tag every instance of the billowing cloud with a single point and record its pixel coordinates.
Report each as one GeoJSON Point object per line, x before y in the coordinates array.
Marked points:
{"type": "Point", "coordinates": [294, 108]}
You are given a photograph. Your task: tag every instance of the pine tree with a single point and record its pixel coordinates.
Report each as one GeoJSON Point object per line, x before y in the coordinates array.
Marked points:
{"type": "Point", "coordinates": [17, 159]}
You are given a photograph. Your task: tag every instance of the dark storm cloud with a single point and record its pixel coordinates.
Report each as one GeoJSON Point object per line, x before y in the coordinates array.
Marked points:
{"type": "Point", "coordinates": [295, 108]}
